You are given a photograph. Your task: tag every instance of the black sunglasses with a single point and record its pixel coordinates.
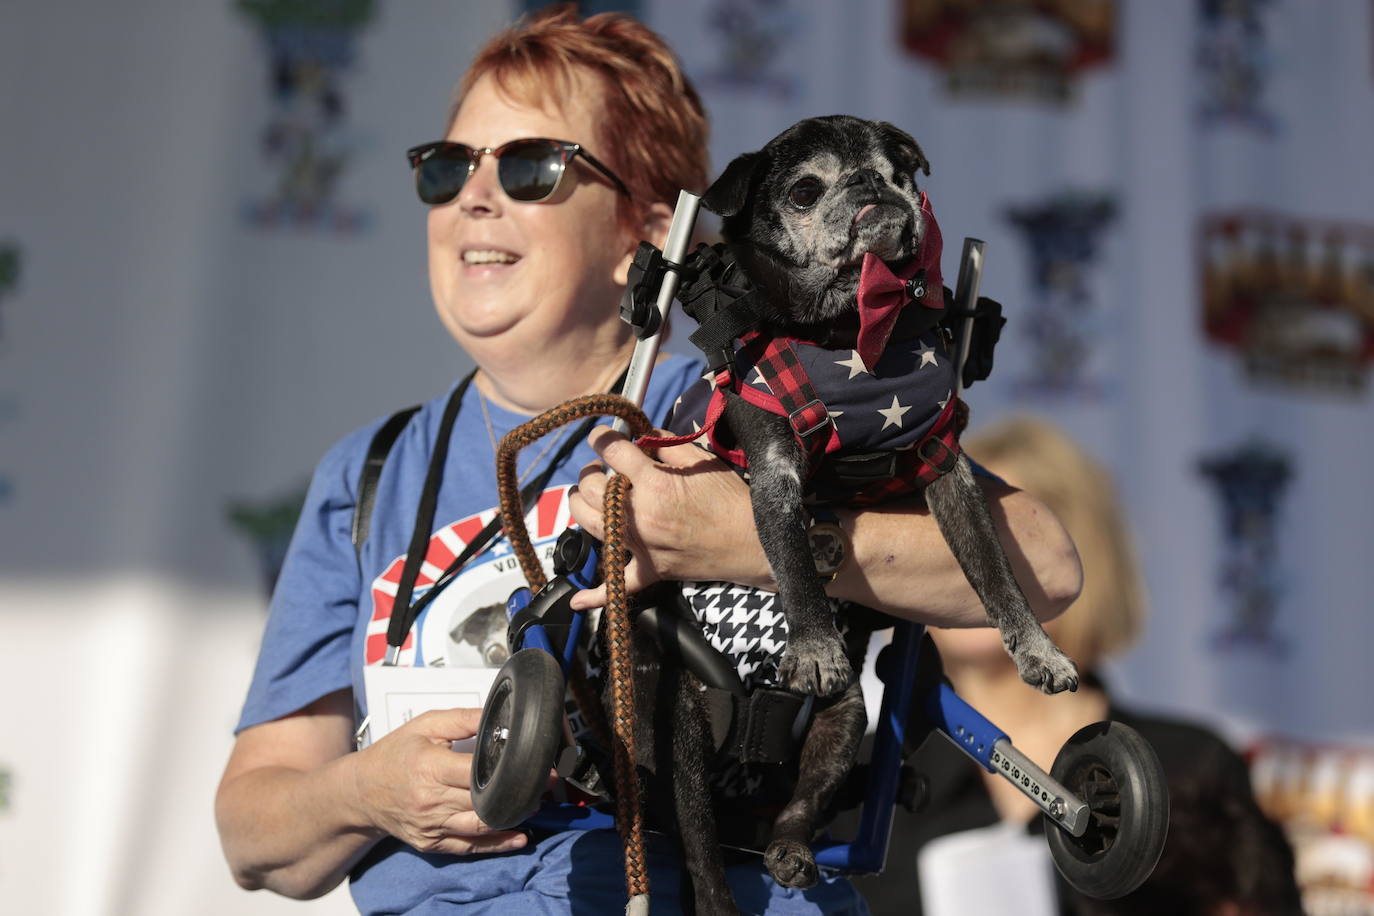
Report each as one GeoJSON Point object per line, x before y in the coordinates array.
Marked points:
{"type": "Point", "coordinates": [530, 169]}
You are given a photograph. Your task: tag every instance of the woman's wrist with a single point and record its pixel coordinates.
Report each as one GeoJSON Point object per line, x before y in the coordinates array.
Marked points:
{"type": "Point", "coordinates": [355, 788]}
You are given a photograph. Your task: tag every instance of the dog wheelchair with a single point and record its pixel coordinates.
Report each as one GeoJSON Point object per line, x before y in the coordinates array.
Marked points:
{"type": "Point", "coordinates": [1105, 796]}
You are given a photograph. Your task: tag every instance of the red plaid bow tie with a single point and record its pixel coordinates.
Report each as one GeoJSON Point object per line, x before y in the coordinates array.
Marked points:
{"type": "Point", "coordinates": [883, 292]}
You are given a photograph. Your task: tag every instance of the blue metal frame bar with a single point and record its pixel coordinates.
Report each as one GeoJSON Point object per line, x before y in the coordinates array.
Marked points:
{"type": "Point", "coordinates": [964, 725]}
{"type": "Point", "coordinates": [867, 852]}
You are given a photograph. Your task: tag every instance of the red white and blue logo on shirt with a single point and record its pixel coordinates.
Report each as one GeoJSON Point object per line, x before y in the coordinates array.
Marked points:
{"type": "Point", "coordinates": [466, 624]}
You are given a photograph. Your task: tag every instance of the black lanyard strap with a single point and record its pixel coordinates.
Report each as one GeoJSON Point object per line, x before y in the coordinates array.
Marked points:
{"type": "Point", "coordinates": [424, 521]}
{"type": "Point", "coordinates": [403, 613]}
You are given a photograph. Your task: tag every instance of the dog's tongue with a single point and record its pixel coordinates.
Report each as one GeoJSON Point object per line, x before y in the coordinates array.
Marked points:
{"type": "Point", "coordinates": [864, 211]}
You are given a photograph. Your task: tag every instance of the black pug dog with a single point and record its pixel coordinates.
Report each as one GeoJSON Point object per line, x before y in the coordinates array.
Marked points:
{"type": "Point", "coordinates": [803, 218]}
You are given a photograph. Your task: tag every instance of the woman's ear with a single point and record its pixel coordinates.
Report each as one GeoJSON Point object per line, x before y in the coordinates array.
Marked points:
{"type": "Point", "coordinates": [654, 230]}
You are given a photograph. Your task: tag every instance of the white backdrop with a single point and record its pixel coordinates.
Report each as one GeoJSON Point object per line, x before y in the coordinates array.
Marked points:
{"type": "Point", "coordinates": [195, 315]}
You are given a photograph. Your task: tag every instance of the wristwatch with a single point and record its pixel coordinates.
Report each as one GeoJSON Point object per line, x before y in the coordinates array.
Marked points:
{"type": "Point", "coordinates": [829, 543]}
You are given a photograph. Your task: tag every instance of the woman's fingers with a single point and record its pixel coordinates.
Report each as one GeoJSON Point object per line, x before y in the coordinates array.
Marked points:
{"type": "Point", "coordinates": [586, 499]}
{"type": "Point", "coordinates": [679, 494]}
{"type": "Point", "coordinates": [588, 598]}
{"type": "Point", "coordinates": [503, 841]}
{"type": "Point", "coordinates": [686, 455]}
{"type": "Point", "coordinates": [620, 454]}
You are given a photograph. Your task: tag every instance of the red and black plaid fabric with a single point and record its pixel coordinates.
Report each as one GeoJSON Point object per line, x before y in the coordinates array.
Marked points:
{"type": "Point", "coordinates": [781, 384]}
{"type": "Point", "coordinates": [789, 394]}
{"type": "Point", "coordinates": [791, 386]}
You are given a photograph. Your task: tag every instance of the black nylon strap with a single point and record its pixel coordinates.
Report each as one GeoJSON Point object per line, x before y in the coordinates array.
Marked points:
{"type": "Point", "coordinates": [761, 730]}
{"type": "Point", "coordinates": [494, 527]}
{"type": "Point", "coordinates": [399, 624]}
{"type": "Point", "coordinates": [715, 335]}
{"type": "Point", "coordinates": [403, 613]}
{"type": "Point", "coordinates": [377, 451]}
{"type": "Point", "coordinates": [717, 295]}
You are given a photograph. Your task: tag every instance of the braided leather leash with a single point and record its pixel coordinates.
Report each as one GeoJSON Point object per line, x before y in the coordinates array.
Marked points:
{"type": "Point", "coordinates": [629, 814]}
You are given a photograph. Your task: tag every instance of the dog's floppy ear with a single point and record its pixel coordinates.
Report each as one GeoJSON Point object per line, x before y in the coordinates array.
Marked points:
{"type": "Point", "coordinates": [727, 194]}
{"type": "Point", "coordinates": [908, 153]}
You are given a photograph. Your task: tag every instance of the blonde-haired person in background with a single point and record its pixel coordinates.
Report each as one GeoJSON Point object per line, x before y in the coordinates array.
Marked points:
{"type": "Point", "coordinates": [1222, 856]}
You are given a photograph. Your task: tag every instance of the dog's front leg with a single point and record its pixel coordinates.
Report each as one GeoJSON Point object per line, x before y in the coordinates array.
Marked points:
{"type": "Point", "coordinates": [814, 661]}
{"type": "Point", "coordinates": [832, 743]}
{"type": "Point", "coordinates": [961, 512]}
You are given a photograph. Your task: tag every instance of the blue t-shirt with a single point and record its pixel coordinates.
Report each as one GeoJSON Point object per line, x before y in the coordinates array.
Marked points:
{"type": "Point", "coordinates": [329, 618]}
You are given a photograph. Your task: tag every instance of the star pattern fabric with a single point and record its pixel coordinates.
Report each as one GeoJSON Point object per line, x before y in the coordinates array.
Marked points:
{"type": "Point", "coordinates": [891, 406]}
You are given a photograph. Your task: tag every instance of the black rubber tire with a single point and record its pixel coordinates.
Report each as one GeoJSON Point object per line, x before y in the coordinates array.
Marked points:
{"type": "Point", "coordinates": [511, 773]}
{"type": "Point", "coordinates": [1116, 771]}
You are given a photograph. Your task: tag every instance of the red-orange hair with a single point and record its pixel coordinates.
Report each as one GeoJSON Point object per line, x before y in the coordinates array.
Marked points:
{"type": "Point", "coordinates": [660, 133]}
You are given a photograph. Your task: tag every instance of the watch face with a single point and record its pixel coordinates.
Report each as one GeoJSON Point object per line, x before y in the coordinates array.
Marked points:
{"type": "Point", "coordinates": [827, 547]}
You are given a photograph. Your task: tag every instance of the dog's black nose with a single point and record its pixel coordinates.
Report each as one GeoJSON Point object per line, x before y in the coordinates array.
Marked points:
{"type": "Point", "coordinates": [863, 176]}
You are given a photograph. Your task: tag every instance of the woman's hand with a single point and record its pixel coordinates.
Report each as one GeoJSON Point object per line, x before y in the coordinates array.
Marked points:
{"type": "Point", "coordinates": [690, 516]}
{"type": "Point", "coordinates": [413, 786]}
{"type": "Point", "coordinates": [297, 808]}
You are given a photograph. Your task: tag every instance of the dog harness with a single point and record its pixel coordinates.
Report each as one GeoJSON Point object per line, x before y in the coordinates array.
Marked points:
{"type": "Point", "coordinates": [877, 421]}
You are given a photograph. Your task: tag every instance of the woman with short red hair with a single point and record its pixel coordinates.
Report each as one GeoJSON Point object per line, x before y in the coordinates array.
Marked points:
{"type": "Point", "coordinates": [567, 141]}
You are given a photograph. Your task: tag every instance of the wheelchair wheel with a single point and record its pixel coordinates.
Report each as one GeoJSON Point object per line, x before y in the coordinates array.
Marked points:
{"type": "Point", "coordinates": [1116, 772]}
{"type": "Point", "coordinates": [518, 738]}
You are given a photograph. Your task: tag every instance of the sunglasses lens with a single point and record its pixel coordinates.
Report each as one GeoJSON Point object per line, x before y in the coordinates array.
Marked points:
{"type": "Point", "coordinates": [530, 171]}
{"type": "Point", "coordinates": [440, 177]}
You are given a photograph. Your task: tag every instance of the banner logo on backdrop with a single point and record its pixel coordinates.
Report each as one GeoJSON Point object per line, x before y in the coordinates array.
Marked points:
{"type": "Point", "coordinates": [1293, 297]}
{"type": "Point", "coordinates": [306, 143]}
{"type": "Point", "coordinates": [1032, 49]}
{"type": "Point", "coordinates": [9, 283]}
{"type": "Point", "coordinates": [1234, 62]}
{"type": "Point", "coordinates": [268, 526]}
{"type": "Point", "coordinates": [1250, 482]}
{"type": "Point", "coordinates": [751, 38]}
{"type": "Point", "coordinates": [1063, 322]}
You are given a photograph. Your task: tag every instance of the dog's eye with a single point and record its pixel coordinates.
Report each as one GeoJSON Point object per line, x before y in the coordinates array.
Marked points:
{"type": "Point", "coordinates": [805, 193]}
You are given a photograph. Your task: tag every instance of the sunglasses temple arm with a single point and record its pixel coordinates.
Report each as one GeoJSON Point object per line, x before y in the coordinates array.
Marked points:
{"type": "Point", "coordinates": [604, 170]}
{"type": "Point", "coordinates": [675, 253]}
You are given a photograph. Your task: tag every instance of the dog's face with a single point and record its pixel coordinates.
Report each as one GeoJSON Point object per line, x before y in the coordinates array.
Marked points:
{"type": "Point", "coordinates": [802, 212]}
{"type": "Point", "coordinates": [485, 628]}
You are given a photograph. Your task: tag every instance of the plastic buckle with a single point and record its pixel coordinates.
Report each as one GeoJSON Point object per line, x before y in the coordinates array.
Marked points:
{"type": "Point", "coordinates": [794, 420]}
{"type": "Point", "coordinates": [638, 307]}
{"type": "Point", "coordinates": [866, 467]}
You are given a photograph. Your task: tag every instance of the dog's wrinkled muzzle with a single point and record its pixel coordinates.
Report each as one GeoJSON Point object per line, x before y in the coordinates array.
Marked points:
{"type": "Point", "coordinates": [883, 291]}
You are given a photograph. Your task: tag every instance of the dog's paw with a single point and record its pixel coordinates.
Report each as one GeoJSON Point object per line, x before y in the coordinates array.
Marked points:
{"type": "Point", "coordinates": [1042, 665]}
{"type": "Point", "coordinates": [815, 665]}
{"type": "Point", "coordinates": [790, 863]}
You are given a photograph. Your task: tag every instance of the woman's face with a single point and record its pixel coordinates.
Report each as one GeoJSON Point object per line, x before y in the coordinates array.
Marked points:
{"type": "Point", "coordinates": [498, 265]}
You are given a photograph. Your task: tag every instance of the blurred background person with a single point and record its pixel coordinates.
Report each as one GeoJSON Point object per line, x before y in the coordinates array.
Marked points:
{"type": "Point", "coordinates": [1222, 856]}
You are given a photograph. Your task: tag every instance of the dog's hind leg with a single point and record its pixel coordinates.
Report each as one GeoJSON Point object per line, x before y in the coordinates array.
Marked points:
{"type": "Point", "coordinates": [962, 515]}
{"type": "Point", "coordinates": [705, 891]}
{"type": "Point", "coordinates": [814, 661]}
{"type": "Point", "coordinates": [832, 743]}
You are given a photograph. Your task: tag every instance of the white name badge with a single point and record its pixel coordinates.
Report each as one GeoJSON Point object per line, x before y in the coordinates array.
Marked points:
{"type": "Point", "coordinates": [397, 694]}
